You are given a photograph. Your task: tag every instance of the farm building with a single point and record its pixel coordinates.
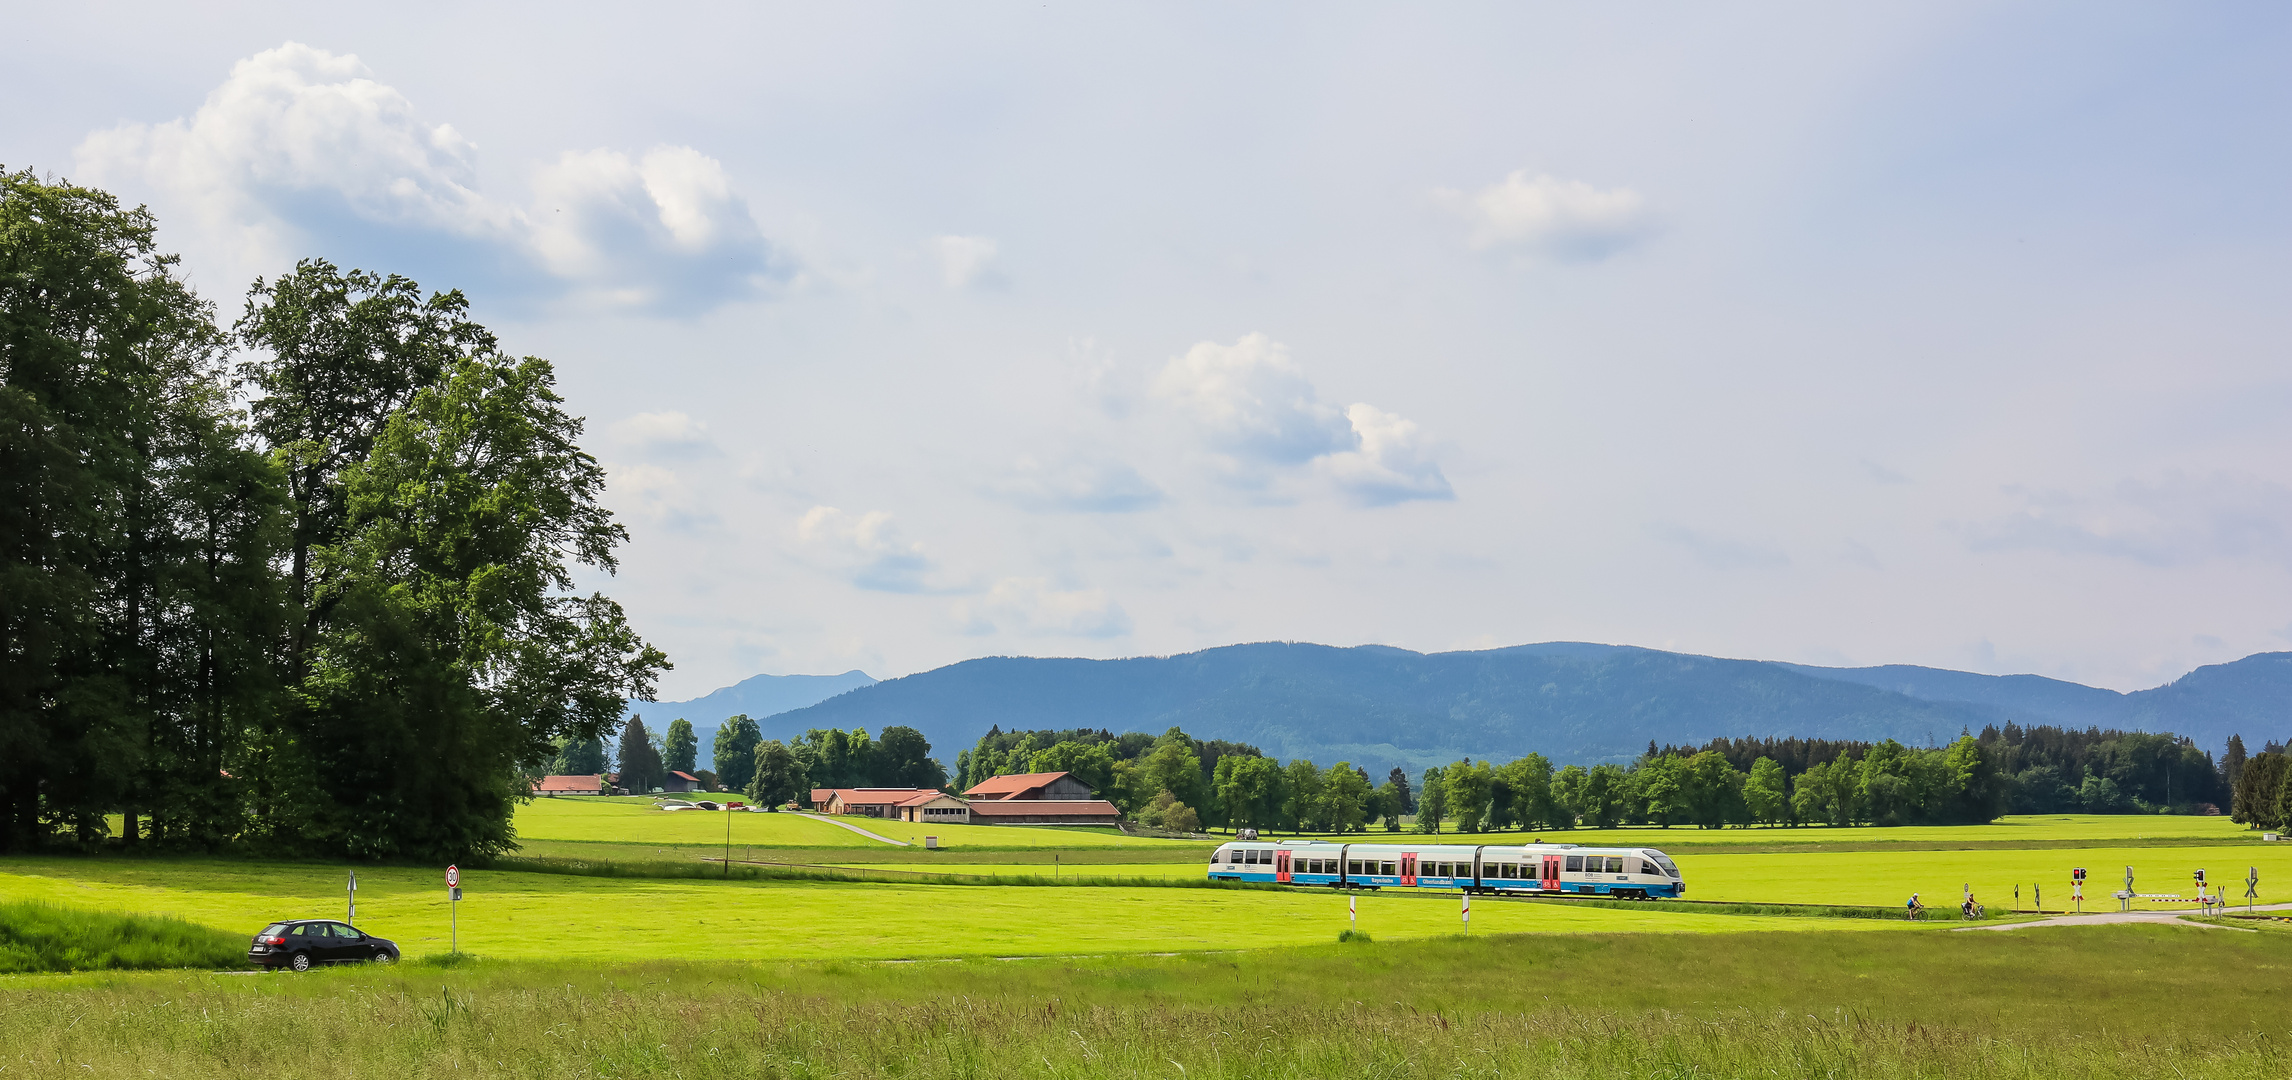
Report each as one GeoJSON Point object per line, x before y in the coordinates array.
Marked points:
{"type": "Point", "coordinates": [681, 781]}
{"type": "Point", "coordinates": [877, 802]}
{"type": "Point", "coordinates": [554, 786]}
{"type": "Point", "coordinates": [935, 807]}
{"type": "Point", "coordinates": [1031, 787]}
{"type": "Point", "coordinates": [1044, 812]}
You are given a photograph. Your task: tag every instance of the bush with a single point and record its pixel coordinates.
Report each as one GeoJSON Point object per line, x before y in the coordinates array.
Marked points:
{"type": "Point", "coordinates": [37, 936]}
{"type": "Point", "coordinates": [1361, 936]}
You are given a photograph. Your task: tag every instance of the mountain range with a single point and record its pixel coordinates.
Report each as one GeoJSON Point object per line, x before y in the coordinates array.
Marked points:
{"type": "Point", "coordinates": [1379, 707]}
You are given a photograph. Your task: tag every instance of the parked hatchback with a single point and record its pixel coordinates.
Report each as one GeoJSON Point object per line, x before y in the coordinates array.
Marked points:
{"type": "Point", "coordinates": [306, 942]}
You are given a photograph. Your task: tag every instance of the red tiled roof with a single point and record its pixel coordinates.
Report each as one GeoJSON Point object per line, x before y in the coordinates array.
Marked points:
{"type": "Point", "coordinates": [685, 776]}
{"type": "Point", "coordinates": [871, 796]}
{"type": "Point", "coordinates": [1003, 787]}
{"type": "Point", "coordinates": [1044, 808]}
{"type": "Point", "coordinates": [925, 797]}
{"type": "Point", "coordinates": [569, 783]}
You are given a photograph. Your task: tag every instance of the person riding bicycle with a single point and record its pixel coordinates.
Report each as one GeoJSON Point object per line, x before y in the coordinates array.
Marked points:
{"type": "Point", "coordinates": [1914, 906]}
{"type": "Point", "coordinates": [1968, 908]}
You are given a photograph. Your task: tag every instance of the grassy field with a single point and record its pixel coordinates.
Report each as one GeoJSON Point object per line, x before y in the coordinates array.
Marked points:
{"type": "Point", "coordinates": [638, 820]}
{"type": "Point", "coordinates": [37, 936]}
{"type": "Point", "coordinates": [521, 915]}
{"type": "Point", "coordinates": [2099, 1002]}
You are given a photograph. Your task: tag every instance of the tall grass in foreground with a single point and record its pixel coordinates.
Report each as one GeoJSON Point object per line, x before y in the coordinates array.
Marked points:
{"type": "Point", "coordinates": [49, 937]}
{"type": "Point", "coordinates": [1799, 1005]}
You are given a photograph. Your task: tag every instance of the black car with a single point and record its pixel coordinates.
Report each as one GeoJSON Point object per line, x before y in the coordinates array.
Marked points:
{"type": "Point", "coordinates": [302, 943]}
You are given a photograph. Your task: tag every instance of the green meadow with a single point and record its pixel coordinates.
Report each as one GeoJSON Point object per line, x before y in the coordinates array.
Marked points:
{"type": "Point", "coordinates": [544, 916]}
{"type": "Point", "coordinates": [2110, 1001]}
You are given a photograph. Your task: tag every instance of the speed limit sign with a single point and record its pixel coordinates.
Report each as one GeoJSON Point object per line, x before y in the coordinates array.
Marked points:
{"type": "Point", "coordinates": [453, 876]}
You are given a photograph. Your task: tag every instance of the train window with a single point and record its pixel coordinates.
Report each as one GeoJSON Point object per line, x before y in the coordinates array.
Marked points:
{"type": "Point", "coordinates": [1575, 864]}
{"type": "Point", "coordinates": [1650, 869]}
{"type": "Point", "coordinates": [1352, 866]}
{"type": "Point", "coordinates": [1391, 868]}
{"type": "Point", "coordinates": [1615, 864]}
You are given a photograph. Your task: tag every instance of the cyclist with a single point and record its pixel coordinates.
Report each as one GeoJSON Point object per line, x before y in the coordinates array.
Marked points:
{"type": "Point", "coordinates": [1915, 907]}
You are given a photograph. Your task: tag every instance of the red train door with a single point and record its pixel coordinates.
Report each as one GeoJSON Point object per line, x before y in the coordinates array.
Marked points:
{"type": "Point", "coordinates": [1281, 867]}
{"type": "Point", "coordinates": [1551, 882]}
{"type": "Point", "coordinates": [1408, 868]}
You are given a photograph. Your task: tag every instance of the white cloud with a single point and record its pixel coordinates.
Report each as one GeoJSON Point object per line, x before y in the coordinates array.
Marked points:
{"type": "Point", "coordinates": [868, 548]}
{"type": "Point", "coordinates": [657, 495]}
{"type": "Point", "coordinates": [1250, 400]}
{"type": "Point", "coordinates": [965, 261]}
{"type": "Point", "coordinates": [665, 434]}
{"type": "Point", "coordinates": [1077, 483]}
{"type": "Point", "coordinates": [1568, 220]}
{"type": "Point", "coordinates": [300, 146]}
{"type": "Point", "coordinates": [1036, 607]}
{"type": "Point", "coordinates": [1255, 407]}
{"type": "Point", "coordinates": [1392, 465]}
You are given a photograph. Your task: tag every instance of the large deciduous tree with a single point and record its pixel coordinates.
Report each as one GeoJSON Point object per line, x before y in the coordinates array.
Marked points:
{"type": "Point", "coordinates": [734, 755]}
{"type": "Point", "coordinates": [681, 747]}
{"type": "Point", "coordinates": [454, 648]}
{"type": "Point", "coordinates": [135, 525]}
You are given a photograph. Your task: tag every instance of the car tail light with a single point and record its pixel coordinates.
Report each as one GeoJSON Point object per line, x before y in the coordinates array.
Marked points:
{"type": "Point", "coordinates": [272, 940]}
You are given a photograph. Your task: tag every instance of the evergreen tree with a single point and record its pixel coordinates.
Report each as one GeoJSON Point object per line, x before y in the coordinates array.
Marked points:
{"type": "Point", "coordinates": [639, 764]}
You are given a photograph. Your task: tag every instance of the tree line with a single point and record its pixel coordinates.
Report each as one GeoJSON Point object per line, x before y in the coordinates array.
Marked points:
{"type": "Point", "coordinates": [305, 579]}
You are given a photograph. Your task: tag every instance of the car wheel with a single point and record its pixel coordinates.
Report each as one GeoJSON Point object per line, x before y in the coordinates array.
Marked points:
{"type": "Point", "coordinates": [301, 962]}
{"type": "Point", "coordinates": [385, 956]}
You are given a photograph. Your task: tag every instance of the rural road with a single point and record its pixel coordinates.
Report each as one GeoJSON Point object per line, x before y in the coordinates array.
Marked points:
{"type": "Point", "coordinates": [857, 829]}
{"type": "Point", "coordinates": [2099, 918]}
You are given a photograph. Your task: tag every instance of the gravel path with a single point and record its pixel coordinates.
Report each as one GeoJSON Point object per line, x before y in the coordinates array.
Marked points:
{"type": "Point", "coordinates": [2104, 917]}
{"type": "Point", "coordinates": [830, 819]}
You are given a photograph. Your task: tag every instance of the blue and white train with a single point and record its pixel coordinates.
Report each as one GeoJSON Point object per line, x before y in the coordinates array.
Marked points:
{"type": "Point", "coordinates": [1625, 873]}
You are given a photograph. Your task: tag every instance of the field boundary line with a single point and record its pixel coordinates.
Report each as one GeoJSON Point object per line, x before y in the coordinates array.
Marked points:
{"type": "Point", "coordinates": [863, 832]}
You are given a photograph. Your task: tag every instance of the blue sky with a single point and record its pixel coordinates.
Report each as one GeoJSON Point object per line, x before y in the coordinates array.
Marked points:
{"type": "Point", "coordinates": [1937, 333]}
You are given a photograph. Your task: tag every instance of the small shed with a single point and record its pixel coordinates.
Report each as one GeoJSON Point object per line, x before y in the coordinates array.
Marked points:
{"type": "Point", "coordinates": [681, 781]}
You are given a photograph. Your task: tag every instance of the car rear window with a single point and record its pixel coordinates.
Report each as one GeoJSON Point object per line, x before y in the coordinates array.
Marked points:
{"type": "Point", "coordinates": [272, 930]}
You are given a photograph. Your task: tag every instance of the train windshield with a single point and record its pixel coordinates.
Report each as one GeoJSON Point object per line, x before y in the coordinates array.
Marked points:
{"type": "Point", "coordinates": [1221, 855]}
{"type": "Point", "coordinates": [1663, 861]}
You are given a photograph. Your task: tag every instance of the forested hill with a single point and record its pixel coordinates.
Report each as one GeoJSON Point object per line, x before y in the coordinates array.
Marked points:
{"type": "Point", "coordinates": [1379, 706]}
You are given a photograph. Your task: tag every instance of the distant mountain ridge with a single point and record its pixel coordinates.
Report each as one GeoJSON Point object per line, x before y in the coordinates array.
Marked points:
{"type": "Point", "coordinates": [1575, 702]}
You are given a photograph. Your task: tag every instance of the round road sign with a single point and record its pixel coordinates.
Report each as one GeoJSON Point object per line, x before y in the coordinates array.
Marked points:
{"type": "Point", "coordinates": [453, 876]}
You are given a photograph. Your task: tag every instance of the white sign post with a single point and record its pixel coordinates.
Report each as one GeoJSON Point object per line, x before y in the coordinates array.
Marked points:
{"type": "Point", "coordinates": [1353, 911]}
{"type": "Point", "coordinates": [1467, 913]}
{"type": "Point", "coordinates": [353, 918]}
{"type": "Point", "coordinates": [454, 903]}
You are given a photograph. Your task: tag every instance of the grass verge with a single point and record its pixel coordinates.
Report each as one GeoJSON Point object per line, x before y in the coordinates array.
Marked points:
{"type": "Point", "coordinates": [36, 936]}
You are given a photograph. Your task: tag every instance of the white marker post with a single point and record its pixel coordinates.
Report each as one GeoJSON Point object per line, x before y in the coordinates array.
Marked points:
{"type": "Point", "coordinates": [454, 903]}
{"type": "Point", "coordinates": [1467, 913]}
{"type": "Point", "coordinates": [352, 919]}
{"type": "Point", "coordinates": [1353, 911]}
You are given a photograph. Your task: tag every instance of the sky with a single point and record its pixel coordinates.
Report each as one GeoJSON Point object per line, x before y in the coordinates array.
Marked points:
{"type": "Point", "coordinates": [1934, 333]}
